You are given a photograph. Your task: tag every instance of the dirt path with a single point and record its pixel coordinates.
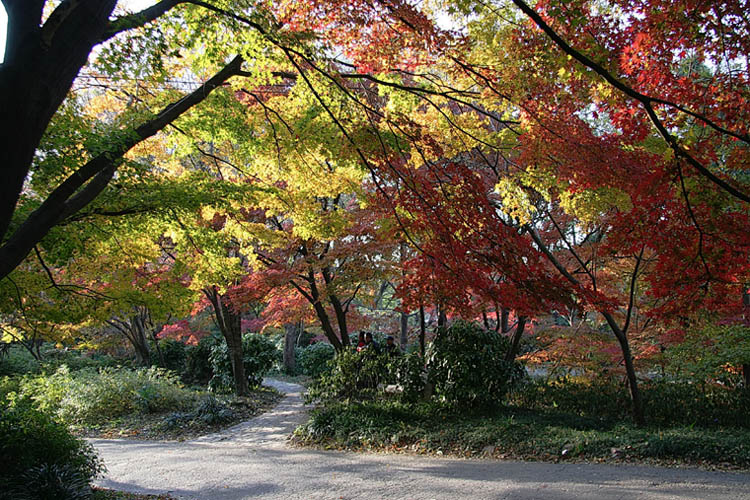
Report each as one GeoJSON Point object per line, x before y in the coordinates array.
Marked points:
{"type": "Point", "coordinates": [252, 460]}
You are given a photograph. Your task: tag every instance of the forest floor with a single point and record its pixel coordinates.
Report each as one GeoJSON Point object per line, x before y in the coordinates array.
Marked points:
{"type": "Point", "coordinates": [255, 460]}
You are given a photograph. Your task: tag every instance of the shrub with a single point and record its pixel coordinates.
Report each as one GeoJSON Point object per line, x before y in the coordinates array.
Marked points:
{"type": "Point", "coordinates": [53, 358]}
{"type": "Point", "coordinates": [88, 396]}
{"type": "Point", "coordinates": [313, 359]}
{"type": "Point", "coordinates": [409, 373]}
{"type": "Point", "coordinates": [353, 376]}
{"type": "Point", "coordinates": [52, 482]}
{"type": "Point", "coordinates": [258, 354]}
{"type": "Point", "coordinates": [211, 411]}
{"type": "Point", "coordinates": [92, 396]}
{"type": "Point", "coordinates": [465, 364]}
{"type": "Point", "coordinates": [17, 361]}
{"type": "Point", "coordinates": [197, 363]}
{"type": "Point", "coordinates": [666, 402]}
{"type": "Point", "coordinates": [174, 354]}
{"type": "Point", "coordinates": [39, 458]}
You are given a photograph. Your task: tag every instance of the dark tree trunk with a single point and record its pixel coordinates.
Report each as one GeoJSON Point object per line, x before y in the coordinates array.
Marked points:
{"type": "Point", "coordinates": [338, 308]}
{"type": "Point", "coordinates": [139, 340]}
{"type": "Point", "coordinates": [229, 323]}
{"type": "Point", "coordinates": [442, 318]}
{"type": "Point", "coordinates": [340, 319]}
{"type": "Point", "coordinates": [515, 341]}
{"type": "Point", "coordinates": [746, 375]}
{"type": "Point", "coordinates": [619, 333]}
{"type": "Point", "coordinates": [635, 395]}
{"type": "Point", "coordinates": [320, 311]}
{"type": "Point", "coordinates": [39, 68]}
{"type": "Point", "coordinates": [422, 329]}
{"type": "Point", "coordinates": [403, 338]}
{"type": "Point", "coordinates": [83, 185]}
{"type": "Point", "coordinates": [504, 320]}
{"type": "Point", "coordinates": [291, 332]}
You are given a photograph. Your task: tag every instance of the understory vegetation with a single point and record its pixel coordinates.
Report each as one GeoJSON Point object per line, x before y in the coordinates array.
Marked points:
{"type": "Point", "coordinates": [47, 406]}
{"type": "Point", "coordinates": [545, 205]}
{"type": "Point", "coordinates": [480, 407]}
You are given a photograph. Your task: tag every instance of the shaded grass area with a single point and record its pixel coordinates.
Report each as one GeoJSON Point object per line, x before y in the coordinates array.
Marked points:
{"type": "Point", "coordinates": [210, 415]}
{"type": "Point", "coordinates": [554, 424]}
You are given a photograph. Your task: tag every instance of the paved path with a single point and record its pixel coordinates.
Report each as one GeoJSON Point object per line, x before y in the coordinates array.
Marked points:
{"type": "Point", "coordinates": [252, 460]}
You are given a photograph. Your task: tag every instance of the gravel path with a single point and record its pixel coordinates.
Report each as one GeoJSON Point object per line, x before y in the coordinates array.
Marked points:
{"type": "Point", "coordinates": [252, 460]}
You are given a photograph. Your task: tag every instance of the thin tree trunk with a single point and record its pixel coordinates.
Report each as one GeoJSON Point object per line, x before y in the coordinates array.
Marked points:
{"type": "Point", "coordinates": [746, 375]}
{"type": "Point", "coordinates": [442, 318]}
{"type": "Point", "coordinates": [422, 328]}
{"type": "Point", "coordinates": [515, 342]}
{"type": "Point", "coordinates": [504, 320]}
{"type": "Point", "coordinates": [635, 394]}
{"type": "Point", "coordinates": [229, 324]}
{"type": "Point", "coordinates": [290, 337]}
{"type": "Point", "coordinates": [403, 339]}
{"type": "Point", "coordinates": [338, 308]}
{"type": "Point", "coordinates": [620, 333]}
{"type": "Point", "coordinates": [325, 321]}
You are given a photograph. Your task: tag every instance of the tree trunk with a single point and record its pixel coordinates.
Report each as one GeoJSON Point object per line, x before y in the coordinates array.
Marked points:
{"type": "Point", "coordinates": [338, 308]}
{"type": "Point", "coordinates": [442, 318]}
{"type": "Point", "coordinates": [291, 331]}
{"type": "Point", "coordinates": [510, 356]}
{"type": "Point", "coordinates": [504, 323]}
{"type": "Point", "coordinates": [159, 352]}
{"type": "Point", "coordinates": [403, 339]}
{"type": "Point", "coordinates": [422, 328]}
{"type": "Point", "coordinates": [140, 343]}
{"type": "Point", "coordinates": [320, 312]}
{"type": "Point", "coordinates": [620, 334]}
{"type": "Point", "coordinates": [746, 375]}
{"type": "Point", "coordinates": [635, 395]}
{"type": "Point", "coordinates": [229, 323]}
{"type": "Point", "coordinates": [81, 186]}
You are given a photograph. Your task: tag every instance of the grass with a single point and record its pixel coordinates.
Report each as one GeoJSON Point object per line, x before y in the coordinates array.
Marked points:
{"type": "Point", "coordinates": [562, 430]}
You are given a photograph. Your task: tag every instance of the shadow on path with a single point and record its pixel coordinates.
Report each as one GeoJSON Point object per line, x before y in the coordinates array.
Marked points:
{"type": "Point", "coordinates": [252, 460]}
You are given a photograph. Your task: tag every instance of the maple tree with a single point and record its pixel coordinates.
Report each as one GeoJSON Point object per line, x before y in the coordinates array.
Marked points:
{"type": "Point", "coordinates": [565, 156]}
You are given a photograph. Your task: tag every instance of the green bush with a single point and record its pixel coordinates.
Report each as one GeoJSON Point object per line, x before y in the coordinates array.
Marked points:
{"type": "Point", "coordinates": [258, 355]}
{"type": "Point", "coordinates": [357, 376]}
{"type": "Point", "coordinates": [89, 396]}
{"type": "Point", "coordinates": [313, 359]}
{"type": "Point", "coordinates": [52, 482]}
{"type": "Point", "coordinates": [53, 358]}
{"type": "Point", "coordinates": [173, 353]}
{"type": "Point", "coordinates": [40, 459]}
{"type": "Point", "coordinates": [553, 435]}
{"type": "Point", "coordinates": [110, 393]}
{"type": "Point", "coordinates": [409, 371]}
{"type": "Point", "coordinates": [197, 363]}
{"type": "Point", "coordinates": [17, 361]}
{"type": "Point", "coordinates": [465, 364]}
{"type": "Point", "coordinates": [666, 402]}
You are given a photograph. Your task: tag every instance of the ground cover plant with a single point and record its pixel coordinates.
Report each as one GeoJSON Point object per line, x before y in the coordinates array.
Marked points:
{"type": "Point", "coordinates": [571, 424]}
{"type": "Point", "coordinates": [462, 399]}
{"type": "Point", "coordinates": [107, 494]}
